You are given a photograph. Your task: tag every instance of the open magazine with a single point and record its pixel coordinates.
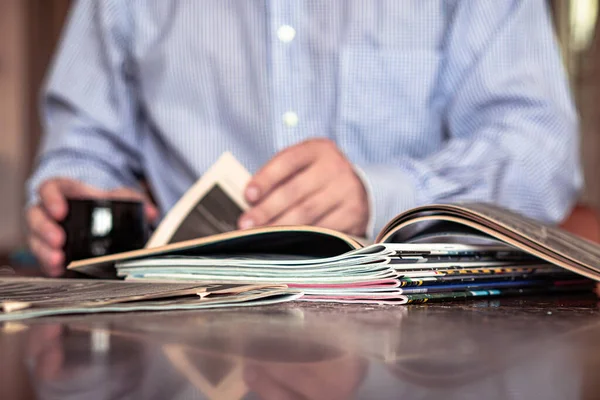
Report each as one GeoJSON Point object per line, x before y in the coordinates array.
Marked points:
{"type": "Point", "coordinates": [211, 206]}
{"type": "Point", "coordinates": [204, 222]}
{"type": "Point", "coordinates": [430, 252]}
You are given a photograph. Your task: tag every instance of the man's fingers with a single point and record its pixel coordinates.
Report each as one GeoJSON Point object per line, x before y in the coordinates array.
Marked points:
{"type": "Point", "coordinates": [42, 226]}
{"type": "Point", "coordinates": [54, 193]}
{"type": "Point", "coordinates": [283, 166]}
{"type": "Point", "coordinates": [51, 360]}
{"type": "Point", "coordinates": [311, 209]}
{"type": "Point", "coordinates": [151, 212]}
{"type": "Point", "coordinates": [338, 220]}
{"type": "Point", "coordinates": [294, 192]}
{"type": "Point", "coordinates": [308, 384]}
{"type": "Point", "coordinates": [74, 188]}
{"type": "Point", "coordinates": [41, 336]}
{"type": "Point", "coordinates": [266, 388]}
{"type": "Point", "coordinates": [53, 199]}
{"type": "Point", "coordinates": [125, 193]}
{"type": "Point", "coordinates": [150, 209]}
{"type": "Point", "coordinates": [51, 260]}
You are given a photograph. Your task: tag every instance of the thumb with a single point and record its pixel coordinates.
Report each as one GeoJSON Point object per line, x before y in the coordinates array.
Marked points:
{"type": "Point", "coordinates": [124, 193]}
{"type": "Point", "coordinates": [54, 192]}
{"type": "Point", "coordinates": [151, 211]}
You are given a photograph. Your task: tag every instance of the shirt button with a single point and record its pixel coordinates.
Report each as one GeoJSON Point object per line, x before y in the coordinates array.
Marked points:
{"type": "Point", "coordinates": [290, 119]}
{"type": "Point", "coordinates": [286, 33]}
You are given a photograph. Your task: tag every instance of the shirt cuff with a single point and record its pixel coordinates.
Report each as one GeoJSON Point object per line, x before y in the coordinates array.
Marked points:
{"type": "Point", "coordinates": [390, 191]}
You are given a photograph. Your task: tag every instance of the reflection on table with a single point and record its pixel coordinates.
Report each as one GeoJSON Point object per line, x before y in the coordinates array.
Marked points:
{"type": "Point", "coordinates": [509, 348]}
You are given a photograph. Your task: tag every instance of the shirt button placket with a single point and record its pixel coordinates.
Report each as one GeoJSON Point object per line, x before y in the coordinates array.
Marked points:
{"type": "Point", "coordinates": [284, 40]}
{"type": "Point", "coordinates": [286, 34]}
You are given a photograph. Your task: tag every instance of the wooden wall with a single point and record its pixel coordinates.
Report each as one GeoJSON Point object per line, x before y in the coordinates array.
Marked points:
{"type": "Point", "coordinates": [13, 119]}
{"type": "Point", "coordinates": [29, 30]}
{"type": "Point", "coordinates": [43, 34]}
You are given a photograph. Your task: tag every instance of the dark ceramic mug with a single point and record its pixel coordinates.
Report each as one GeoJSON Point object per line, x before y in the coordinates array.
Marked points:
{"type": "Point", "coordinates": [99, 227]}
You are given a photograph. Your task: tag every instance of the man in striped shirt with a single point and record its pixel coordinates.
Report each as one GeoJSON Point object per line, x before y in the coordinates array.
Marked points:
{"type": "Point", "coordinates": [347, 111]}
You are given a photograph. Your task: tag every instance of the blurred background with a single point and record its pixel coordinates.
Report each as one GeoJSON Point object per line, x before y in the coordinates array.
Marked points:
{"type": "Point", "coordinates": [30, 29]}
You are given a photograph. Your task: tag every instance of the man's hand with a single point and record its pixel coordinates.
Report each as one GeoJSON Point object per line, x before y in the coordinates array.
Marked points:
{"type": "Point", "coordinates": [327, 379]}
{"type": "Point", "coordinates": [45, 348]}
{"type": "Point", "coordinates": [46, 237]}
{"type": "Point", "coordinates": [311, 183]}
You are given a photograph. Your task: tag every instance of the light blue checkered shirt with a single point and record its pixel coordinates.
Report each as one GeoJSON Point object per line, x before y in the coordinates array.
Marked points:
{"type": "Point", "coordinates": [431, 100]}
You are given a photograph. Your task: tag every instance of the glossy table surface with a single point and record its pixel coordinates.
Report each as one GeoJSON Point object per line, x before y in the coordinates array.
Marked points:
{"type": "Point", "coordinates": [512, 348]}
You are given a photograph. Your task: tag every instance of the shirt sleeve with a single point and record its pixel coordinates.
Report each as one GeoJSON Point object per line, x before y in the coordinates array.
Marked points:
{"type": "Point", "coordinates": [88, 108]}
{"type": "Point", "coordinates": [511, 125]}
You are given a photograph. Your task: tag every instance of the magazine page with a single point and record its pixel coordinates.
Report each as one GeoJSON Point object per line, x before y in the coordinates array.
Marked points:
{"type": "Point", "coordinates": [211, 206]}
{"type": "Point", "coordinates": [17, 293]}
{"type": "Point", "coordinates": [549, 243]}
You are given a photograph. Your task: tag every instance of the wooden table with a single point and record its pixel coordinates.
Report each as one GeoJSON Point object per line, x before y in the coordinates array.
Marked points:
{"type": "Point", "coordinates": [511, 348]}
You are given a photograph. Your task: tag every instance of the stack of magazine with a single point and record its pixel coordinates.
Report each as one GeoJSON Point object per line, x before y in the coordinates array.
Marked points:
{"type": "Point", "coordinates": [24, 297]}
{"type": "Point", "coordinates": [431, 252]}
{"type": "Point", "coordinates": [382, 273]}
